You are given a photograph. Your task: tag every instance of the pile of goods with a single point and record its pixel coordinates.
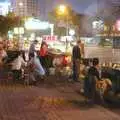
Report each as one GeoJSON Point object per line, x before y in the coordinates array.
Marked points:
{"type": "Point", "coordinates": [111, 65]}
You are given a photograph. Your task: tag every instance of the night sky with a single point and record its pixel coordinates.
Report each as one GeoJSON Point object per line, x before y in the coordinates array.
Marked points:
{"type": "Point", "coordinates": [81, 6]}
{"type": "Point", "coordinates": [90, 7]}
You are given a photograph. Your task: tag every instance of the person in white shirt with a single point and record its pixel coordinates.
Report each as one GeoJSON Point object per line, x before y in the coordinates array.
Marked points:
{"type": "Point", "coordinates": [35, 67]}
{"type": "Point", "coordinates": [17, 65]}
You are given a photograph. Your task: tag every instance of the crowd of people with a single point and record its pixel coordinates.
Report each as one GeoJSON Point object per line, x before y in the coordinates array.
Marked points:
{"type": "Point", "coordinates": [96, 85]}
{"type": "Point", "coordinates": [36, 64]}
{"type": "Point", "coordinates": [37, 67]}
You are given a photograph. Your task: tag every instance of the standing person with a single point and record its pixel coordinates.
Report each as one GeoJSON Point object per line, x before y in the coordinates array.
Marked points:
{"type": "Point", "coordinates": [76, 57]}
{"type": "Point", "coordinates": [44, 56]}
{"type": "Point", "coordinates": [32, 47]}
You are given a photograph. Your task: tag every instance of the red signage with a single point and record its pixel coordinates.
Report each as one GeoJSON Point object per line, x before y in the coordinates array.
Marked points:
{"type": "Point", "coordinates": [49, 38]}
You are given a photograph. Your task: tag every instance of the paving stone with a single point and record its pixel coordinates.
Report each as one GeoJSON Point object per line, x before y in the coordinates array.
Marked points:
{"type": "Point", "coordinates": [35, 103]}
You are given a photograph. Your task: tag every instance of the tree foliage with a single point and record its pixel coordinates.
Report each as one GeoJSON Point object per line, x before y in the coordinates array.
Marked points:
{"type": "Point", "coordinates": [8, 23]}
{"type": "Point", "coordinates": [73, 18]}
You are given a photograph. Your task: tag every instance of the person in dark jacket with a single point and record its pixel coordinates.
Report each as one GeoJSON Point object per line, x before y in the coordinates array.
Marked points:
{"type": "Point", "coordinates": [76, 57]}
{"type": "Point", "coordinates": [32, 47]}
{"type": "Point", "coordinates": [91, 79]}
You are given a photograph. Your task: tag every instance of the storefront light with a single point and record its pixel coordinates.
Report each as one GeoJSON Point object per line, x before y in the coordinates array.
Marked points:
{"type": "Point", "coordinates": [31, 39]}
{"type": "Point", "coordinates": [32, 24]}
{"type": "Point", "coordinates": [25, 38]}
{"type": "Point", "coordinates": [98, 24]}
{"type": "Point", "coordinates": [10, 36]}
{"type": "Point", "coordinates": [72, 32]}
{"type": "Point", "coordinates": [16, 31]}
{"type": "Point", "coordinates": [19, 30]}
{"type": "Point", "coordinates": [38, 38]}
{"type": "Point", "coordinates": [32, 35]}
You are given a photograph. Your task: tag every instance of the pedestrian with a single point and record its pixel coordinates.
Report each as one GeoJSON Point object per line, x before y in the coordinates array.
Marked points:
{"type": "Point", "coordinates": [76, 58]}
{"type": "Point", "coordinates": [43, 55]}
{"type": "Point", "coordinates": [33, 47]}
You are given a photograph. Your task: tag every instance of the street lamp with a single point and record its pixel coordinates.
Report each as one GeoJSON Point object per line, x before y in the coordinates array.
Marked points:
{"type": "Point", "coordinates": [63, 10]}
{"type": "Point", "coordinates": [71, 32]}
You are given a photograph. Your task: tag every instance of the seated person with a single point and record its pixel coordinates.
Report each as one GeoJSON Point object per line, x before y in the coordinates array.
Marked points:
{"type": "Point", "coordinates": [16, 65]}
{"type": "Point", "coordinates": [35, 67]}
{"type": "Point", "coordinates": [90, 80]}
{"type": "Point", "coordinates": [95, 86]}
{"type": "Point", "coordinates": [95, 69]}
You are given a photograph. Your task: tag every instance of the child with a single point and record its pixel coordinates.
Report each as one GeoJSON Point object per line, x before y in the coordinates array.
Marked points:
{"type": "Point", "coordinates": [17, 64]}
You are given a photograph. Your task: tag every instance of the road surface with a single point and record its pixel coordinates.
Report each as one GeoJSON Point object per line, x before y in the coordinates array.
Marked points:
{"type": "Point", "coordinates": [105, 54]}
{"type": "Point", "coordinates": [43, 103]}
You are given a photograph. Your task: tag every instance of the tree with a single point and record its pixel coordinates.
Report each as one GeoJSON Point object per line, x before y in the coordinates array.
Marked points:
{"type": "Point", "coordinates": [77, 21]}
{"type": "Point", "coordinates": [8, 23]}
{"type": "Point", "coordinates": [73, 18]}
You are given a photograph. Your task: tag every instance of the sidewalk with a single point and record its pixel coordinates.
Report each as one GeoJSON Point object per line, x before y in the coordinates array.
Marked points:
{"type": "Point", "coordinates": [45, 103]}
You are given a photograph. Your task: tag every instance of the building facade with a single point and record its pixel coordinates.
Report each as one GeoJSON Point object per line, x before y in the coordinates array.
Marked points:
{"type": "Point", "coordinates": [46, 6]}
{"type": "Point", "coordinates": [26, 8]}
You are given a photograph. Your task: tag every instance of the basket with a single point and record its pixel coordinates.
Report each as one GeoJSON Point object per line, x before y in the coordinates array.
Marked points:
{"type": "Point", "coordinates": [52, 71]}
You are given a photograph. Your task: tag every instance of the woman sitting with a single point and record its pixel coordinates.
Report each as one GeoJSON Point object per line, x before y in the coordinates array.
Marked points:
{"type": "Point", "coordinates": [17, 65]}
{"type": "Point", "coordinates": [91, 79]}
{"type": "Point", "coordinates": [96, 87]}
{"type": "Point", "coordinates": [35, 68]}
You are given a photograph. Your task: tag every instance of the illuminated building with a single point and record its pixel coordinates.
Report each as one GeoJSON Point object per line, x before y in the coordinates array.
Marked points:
{"type": "Point", "coordinates": [26, 8]}
{"type": "Point", "coordinates": [45, 7]}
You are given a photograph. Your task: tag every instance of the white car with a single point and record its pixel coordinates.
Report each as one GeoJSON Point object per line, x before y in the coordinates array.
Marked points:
{"type": "Point", "coordinates": [60, 46]}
